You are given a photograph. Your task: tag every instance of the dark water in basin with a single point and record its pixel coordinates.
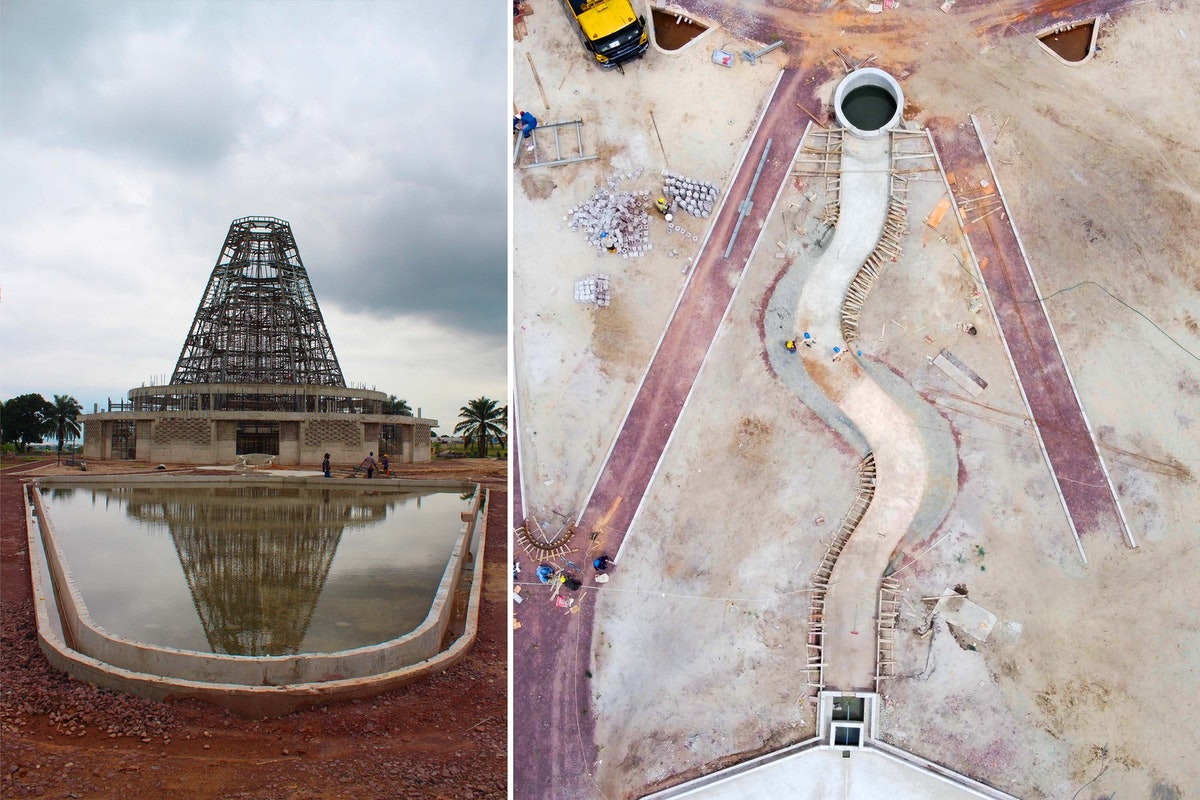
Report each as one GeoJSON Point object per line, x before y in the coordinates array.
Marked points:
{"type": "Point", "coordinates": [868, 108]}
{"type": "Point", "coordinates": [1073, 44]}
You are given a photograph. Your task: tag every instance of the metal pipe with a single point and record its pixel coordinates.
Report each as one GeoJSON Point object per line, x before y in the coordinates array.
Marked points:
{"type": "Point", "coordinates": [754, 57]}
{"type": "Point", "coordinates": [747, 204]}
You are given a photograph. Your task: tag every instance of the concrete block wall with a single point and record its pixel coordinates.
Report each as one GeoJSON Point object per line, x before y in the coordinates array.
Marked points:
{"type": "Point", "coordinates": [145, 440]}
{"type": "Point", "coordinates": [168, 437]}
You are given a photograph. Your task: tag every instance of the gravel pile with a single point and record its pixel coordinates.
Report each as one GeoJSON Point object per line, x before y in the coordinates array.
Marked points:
{"type": "Point", "coordinates": [33, 689]}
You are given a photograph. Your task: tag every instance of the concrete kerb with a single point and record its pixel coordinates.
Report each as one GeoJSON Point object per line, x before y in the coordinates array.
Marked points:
{"type": "Point", "coordinates": [962, 224]}
{"type": "Point", "coordinates": [716, 338]}
{"type": "Point", "coordinates": [690, 45]}
{"type": "Point", "coordinates": [1060, 27]}
{"type": "Point", "coordinates": [264, 686]}
{"type": "Point", "coordinates": [678, 300]}
{"type": "Point", "coordinates": [1058, 345]}
{"type": "Point", "coordinates": [519, 477]}
{"type": "Point", "coordinates": [175, 480]}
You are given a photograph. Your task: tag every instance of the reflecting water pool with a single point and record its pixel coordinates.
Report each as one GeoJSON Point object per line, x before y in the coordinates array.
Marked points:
{"type": "Point", "coordinates": [255, 570]}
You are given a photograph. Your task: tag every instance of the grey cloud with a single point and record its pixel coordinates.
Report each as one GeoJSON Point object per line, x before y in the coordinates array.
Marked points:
{"type": "Point", "coordinates": [407, 260]}
{"type": "Point", "coordinates": [135, 132]}
{"type": "Point", "coordinates": [125, 83]}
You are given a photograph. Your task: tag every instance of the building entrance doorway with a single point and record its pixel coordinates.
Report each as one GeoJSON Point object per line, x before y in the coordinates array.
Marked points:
{"type": "Point", "coordinates": [258, 437]}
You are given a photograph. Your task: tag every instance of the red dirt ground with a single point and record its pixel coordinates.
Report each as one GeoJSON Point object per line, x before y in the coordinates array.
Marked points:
{"type": "Point", "coordinates": [443, 737]}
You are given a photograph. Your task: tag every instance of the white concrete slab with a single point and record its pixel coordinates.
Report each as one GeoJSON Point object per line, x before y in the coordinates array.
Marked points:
{"type": "Point", "coordinates": [966, 615]}
{"type": "Point", "coordinates": [863, 209]}
{"type": "Point", "coordinates": [821, 774]}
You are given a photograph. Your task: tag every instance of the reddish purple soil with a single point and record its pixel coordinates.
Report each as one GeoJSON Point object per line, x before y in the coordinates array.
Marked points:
{"type": "Point", "coordinates": [553, 745]}
{"type": "Point", "coordinates": [1074, 459]}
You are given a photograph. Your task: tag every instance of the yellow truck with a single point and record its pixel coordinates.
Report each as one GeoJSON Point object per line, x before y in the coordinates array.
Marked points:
{"type": "Point", "coordinates": [609, 29]}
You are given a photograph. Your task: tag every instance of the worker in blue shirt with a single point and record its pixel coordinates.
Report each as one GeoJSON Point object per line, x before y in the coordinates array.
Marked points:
{"type": "Point", "coordinates": [526, 122]}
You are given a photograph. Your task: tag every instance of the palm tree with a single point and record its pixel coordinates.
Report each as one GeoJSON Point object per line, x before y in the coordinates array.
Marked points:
{"type": "Point", "coordinates": [60, 417]}
{"type": "Point", "coordinates": [480, 419]}
{"type": "Point", "coordinates": [398, 407]}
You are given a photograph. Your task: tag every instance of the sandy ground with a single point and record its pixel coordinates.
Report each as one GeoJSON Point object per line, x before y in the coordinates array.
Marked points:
{"type": "Point", "coordinates": [566, 350]}
{"type": "Point", "coordinates": [1090, 669]}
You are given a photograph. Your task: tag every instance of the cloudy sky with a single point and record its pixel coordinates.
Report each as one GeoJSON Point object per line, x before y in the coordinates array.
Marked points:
{"type": "Point", "coordinates": [132, 134]}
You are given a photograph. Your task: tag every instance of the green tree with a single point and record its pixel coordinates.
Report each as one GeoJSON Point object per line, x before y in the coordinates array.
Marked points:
{"type": "Point", "coordinates": [480, 419]}
{"type": "Point", "coordinates": [395, 406]}
{"type": "Point", "coordinates": [61, 420]}
{"type": "Point", "coordinates": [23, 420]}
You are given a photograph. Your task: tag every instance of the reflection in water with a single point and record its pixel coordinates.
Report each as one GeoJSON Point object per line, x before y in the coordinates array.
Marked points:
{"type": "Point", "coordinates": [253, 569]}
{"type": "Point", "coordinates": [255, 558]}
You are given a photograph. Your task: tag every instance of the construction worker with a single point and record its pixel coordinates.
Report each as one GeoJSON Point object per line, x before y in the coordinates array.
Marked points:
{"type": "Point", "coordinates": [609, 242]}
{"type": "Point", "coordinates": [790, 344]}
{"type": "Point", "coordinates": [664, 207]}
{"type": "Point", "coordinates": [526, 122]}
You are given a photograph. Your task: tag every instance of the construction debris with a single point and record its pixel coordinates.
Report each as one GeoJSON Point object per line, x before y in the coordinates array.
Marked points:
{"type": "Point", "coordinates": [755, 56]}
{"type": "Point", "coordinates": [693, 196]}
{"type": "Point", "coordinates": [960, 373]}
{"type": "Point", "coordinates": [594, 290]}
{"type": "Point", "coordinates": [966, 615]}
{"type": "Point", "coordinates": [613, 219]}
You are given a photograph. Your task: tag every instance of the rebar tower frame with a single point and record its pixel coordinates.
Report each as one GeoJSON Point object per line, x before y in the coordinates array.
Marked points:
{"type": "Point", "coordinates": [258, 320]}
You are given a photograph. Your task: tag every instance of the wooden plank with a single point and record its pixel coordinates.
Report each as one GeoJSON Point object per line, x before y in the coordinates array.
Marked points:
{"type": "Point", "coordinates": [939, 211]}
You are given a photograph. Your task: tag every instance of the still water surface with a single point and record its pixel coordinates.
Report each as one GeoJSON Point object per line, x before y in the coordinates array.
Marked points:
{"type": "Point", "coordinates": [255, 570]}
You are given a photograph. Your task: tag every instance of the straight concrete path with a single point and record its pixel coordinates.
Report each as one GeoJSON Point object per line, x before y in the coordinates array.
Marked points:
{"type": "Point", "coordinates": [1080, 477]}
{"type": "Point", "coordinates": [554, 748]}
{"type": "Point", "coordinates": [514, 468]}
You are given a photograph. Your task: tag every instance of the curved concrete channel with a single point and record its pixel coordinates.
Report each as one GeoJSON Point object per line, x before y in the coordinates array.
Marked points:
{"type": "Point", "coordinates": [252, 686]}
{"type": "Point", "coordinates": [885, 421]}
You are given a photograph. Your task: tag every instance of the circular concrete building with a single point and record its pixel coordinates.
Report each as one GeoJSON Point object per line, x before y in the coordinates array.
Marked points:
{"type": "Point", "coordinates": [868, 103]}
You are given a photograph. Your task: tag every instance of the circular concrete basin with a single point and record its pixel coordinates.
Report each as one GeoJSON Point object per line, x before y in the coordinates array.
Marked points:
{"type": "Point", "coordinates": [868, 102]}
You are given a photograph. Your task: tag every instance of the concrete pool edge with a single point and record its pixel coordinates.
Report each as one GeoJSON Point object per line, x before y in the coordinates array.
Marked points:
{"type": "Point", "coordinates": [87, 637]}
{"type": "Point", "coordinates": [375, 673]}
{"type": "Point", "coordinates": [243, 478]}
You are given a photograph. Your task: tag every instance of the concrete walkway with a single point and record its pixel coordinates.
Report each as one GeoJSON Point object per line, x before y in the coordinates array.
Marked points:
{"type": "Point", "coordinates": [901, 470]}
{"type": "Point", "coordinates": [864, 202]}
